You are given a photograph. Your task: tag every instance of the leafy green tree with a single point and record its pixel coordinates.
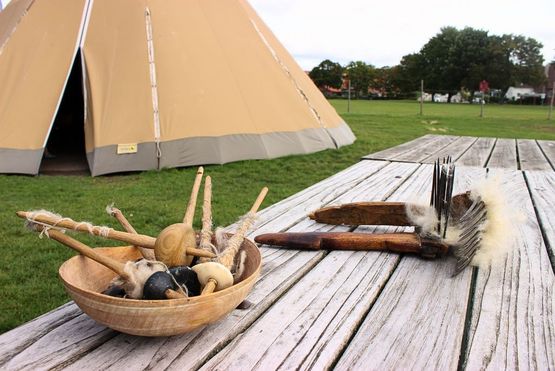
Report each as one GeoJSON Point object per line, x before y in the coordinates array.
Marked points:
{"type": "Point", "coordinates": [360, 75]}
{"type": "Point", "coordinates": [455, 58]}
{"type": "Point", "coordinates": [327, 73]}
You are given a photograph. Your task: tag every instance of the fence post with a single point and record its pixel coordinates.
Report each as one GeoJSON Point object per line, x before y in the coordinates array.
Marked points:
{"type": "Point", "coordinates": [421, 96]}
{"type": "Point", "coordinates": [551, 104]}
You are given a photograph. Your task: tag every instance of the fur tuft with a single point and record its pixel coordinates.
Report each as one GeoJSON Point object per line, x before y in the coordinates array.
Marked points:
{"type": "Point", "coordinates": [423, 216]}
{"type": "Point", "coordinates": [498, 231]}
{"type": "Point", "coordinates": [138, 273]}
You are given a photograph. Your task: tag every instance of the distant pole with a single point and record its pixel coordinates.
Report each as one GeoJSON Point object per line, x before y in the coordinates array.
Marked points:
{"type": "Point", "coordinates": [551, 104]}
{"type": "Point", "coordinates": [421, 96]}
{"type": "Point", "coordinates": [482, 100]}
{"type": "Point", "coordinates": [349, 96]}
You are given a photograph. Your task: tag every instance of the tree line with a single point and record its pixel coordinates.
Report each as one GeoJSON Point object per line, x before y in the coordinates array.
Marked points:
{"type": "Point", "coordinates": [453, 60]}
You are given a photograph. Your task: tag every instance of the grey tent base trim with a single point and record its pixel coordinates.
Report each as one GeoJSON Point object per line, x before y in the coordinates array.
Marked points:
{"type": "Point", "coordinates": [218, 150]}
{"type": "Point", "coordinates": [20, 161]}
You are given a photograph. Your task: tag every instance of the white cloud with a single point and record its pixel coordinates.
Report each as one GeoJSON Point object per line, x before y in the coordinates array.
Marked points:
{"type": "Point", "coordinates": [381, 32]}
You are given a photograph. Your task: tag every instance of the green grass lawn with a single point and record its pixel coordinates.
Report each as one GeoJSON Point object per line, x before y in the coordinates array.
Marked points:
{"type": "Point", "coordinates": [152, 200]}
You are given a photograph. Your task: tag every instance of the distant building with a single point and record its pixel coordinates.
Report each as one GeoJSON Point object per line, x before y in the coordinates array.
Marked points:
{"type": "Point", "coordinates": [519, 93]}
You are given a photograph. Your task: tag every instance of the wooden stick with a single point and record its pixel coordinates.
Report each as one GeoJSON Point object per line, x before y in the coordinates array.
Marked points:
{"type": "Point", "coordinates": [89, 252]}
{"type": "Point", "coordinates": [206, 232]}
{"type": "Point", "coordinates": [227, 257]}
{"type": "Point", "coordinates": [234, 243]}
{"type": "Point", "coordinates": [190, 212]}
{"type": "Point", "coordinates": [133, 239]}
{"type": "Point", "coordinates": [116, 213]}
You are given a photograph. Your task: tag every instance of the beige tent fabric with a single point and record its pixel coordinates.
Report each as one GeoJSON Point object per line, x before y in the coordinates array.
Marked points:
{"type": "Point", "coordinates": [225, 88]}
{"type": "Point", "coordinates": [38, 43]}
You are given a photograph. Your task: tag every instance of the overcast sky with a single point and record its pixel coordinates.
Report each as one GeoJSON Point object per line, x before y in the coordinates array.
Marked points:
{"type": "Point", "coordinates": [381, 32]}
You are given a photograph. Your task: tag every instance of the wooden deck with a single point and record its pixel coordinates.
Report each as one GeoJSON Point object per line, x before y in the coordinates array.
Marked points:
{"type": "Point", "coordinates": [515, 154]}
{"type": "Point", "coordinates": [355, 310]}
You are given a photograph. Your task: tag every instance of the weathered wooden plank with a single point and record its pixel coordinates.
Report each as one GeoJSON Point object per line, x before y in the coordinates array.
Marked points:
{"type": "Point", "coordinates": [310, 325]}
{"type": "Point", "coordinates": [478, 154]}
{"type": "Point", "coordinates": [454, 149]}
{"type": "Point", "coordinates": [288, 212]}
{"type": "Point", "coordinates": [392, 152]}
{"type": "Point", "coordinates": [531, 156]}
{"type": "Point", "coordinates": [279, 273]}
{"type": "Point", "coordinates": [513, 316]}
{"type": "Point", "coordinates": [429, 150]}
{"type": "Point", "coordinates": [276, 216]}
{"type": "Point", "coordinates": [548, 147]}
{"type": "Point", "coordinates": [503, 155]}
{"type": "Point", "coordinates": [418, 320]}
{"type": "Point", "coordinates": [542, 190]}
{"type": "Point", "coordinates": [79, 335]}
{"type": "Point", "coordinates": [16, 340]}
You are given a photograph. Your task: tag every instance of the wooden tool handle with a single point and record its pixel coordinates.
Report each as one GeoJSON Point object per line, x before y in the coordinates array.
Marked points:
{"type": "Point", "coordinates": [173, 294]}
{"type": "Point", "coordinates": [190, 212]}
{"type": "Point", "coordinates": [131, 238]}
{"type": "Point", "coordinates": [87, 251]}
{"type": "Point", "coordinates": [364, 213]}
{"type": "Point", "coordinates": [394, 242]}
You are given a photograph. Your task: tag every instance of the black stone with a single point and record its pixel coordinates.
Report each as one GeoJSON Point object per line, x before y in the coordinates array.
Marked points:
{"type": "Point", "coordinates": [157, 284]}
{"type": "Point", "coordinates": [184, 275]}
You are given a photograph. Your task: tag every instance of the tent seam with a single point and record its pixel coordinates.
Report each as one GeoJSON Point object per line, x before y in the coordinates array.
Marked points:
{"type": "Point", "coordinates": [15, 26]}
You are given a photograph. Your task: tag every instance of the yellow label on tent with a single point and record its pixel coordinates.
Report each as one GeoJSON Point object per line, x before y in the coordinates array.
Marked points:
{"type": "Point", "coordinates": [127, 148]}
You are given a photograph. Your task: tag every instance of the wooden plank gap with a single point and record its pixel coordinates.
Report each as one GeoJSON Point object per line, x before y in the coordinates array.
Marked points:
{"type": "Point", "coordinates": [463, 355]}
{"type": "Point", "coordinates": [550, 249]}
{"type": "Point", "coordinates": [545, 155]}
{"type": "Point", "coordinates": [363, 318]}
{"type": "Point", "coordinates": [491, 152]}
{"type": "Point", "coordinates": [518, 167]}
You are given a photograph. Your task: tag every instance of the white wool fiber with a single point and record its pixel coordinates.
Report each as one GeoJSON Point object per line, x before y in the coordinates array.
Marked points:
{"type": "Point", "coordinates": [110, 209]}
{"type": "Point", "coordinates": [499, 228]}
{"type": "Point", "coordinates": [221, 239]}
{"type": "Point", "coordinates": [138, 273]}
{"type": "Point", "coordinates": [240, 265]}
{"type": "Point", "coordinates": [423, 216]}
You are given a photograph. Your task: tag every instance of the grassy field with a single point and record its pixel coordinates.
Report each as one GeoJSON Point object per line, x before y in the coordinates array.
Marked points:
{"type": "Point", "coordinates": [153, 200]}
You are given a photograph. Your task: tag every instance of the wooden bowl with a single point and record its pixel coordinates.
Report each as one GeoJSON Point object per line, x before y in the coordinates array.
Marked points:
{"type": "Point", "coordinates": [84, 279]}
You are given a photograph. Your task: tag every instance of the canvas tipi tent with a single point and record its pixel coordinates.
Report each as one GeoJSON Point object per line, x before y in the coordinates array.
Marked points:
{"type": "Point", "coordinates": [164, 84]}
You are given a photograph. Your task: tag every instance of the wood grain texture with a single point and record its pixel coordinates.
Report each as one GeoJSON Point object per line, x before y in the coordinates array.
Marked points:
{"type": "Point", "coordinates": [478, 154]}
{"type": "Point", "coordinates": [401, 148]}
{"type": "Point", "coordinates": [542, 189]}
{"type": "Point", "coordinates": [279, 272]}
{"type": "Point", "coordinates": [311, 323]}
{"type": "Point", "coordinates": [503, 155]}
{"type": "Point", "coordinates": [16, 340]}
{"type": "Point", "coordinates": [418, 320]}
{"type": "Point", "coordinates": [454, 149]}
{"type": "Point", "coordinates": [548, 148]}
{"type": "Point", "coordinates": [513, 319]}
{"type": "Point", "coordinates": [420, 153]}
{"type": "Point", "coordinates": [285, 268]}
{"type": "Point", "coordinates": [531, 156]}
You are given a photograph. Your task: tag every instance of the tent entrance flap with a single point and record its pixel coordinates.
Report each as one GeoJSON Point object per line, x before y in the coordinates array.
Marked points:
{"type": "Point", "coordinates": [65, 147]}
